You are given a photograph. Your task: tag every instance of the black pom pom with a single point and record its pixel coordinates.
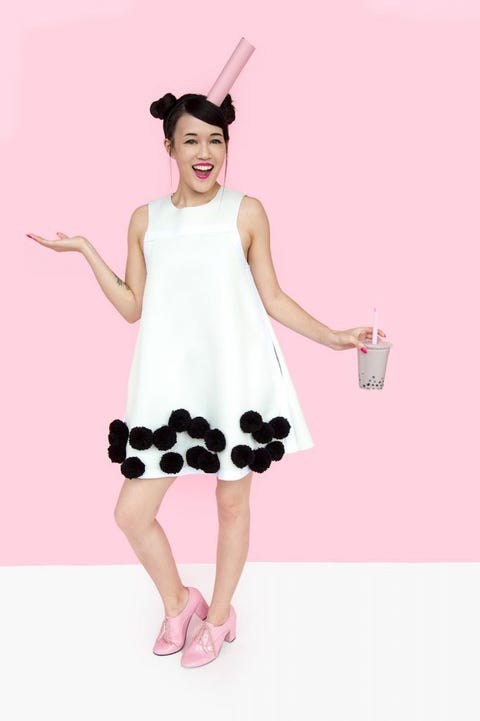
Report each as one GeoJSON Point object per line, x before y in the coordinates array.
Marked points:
{"type": "Point", "coordinates": [179, 420]}
{"type": "Point", "coordinates": [250, 421]}
{"type": "Point", "coordinates": [241, 455]}
{"type": "Point", "coordinates": [261, 460]}
{"type": "Point", "coordinates": [161, 107]}
{"type": "Point", "coordinates": [117, 452]}
{"type": "Point", "coordinates": [281, 427]}
{"type": "Point", "coordinates": [208, 462]}
{"type": "Point", "coordinates": [215, 440]}
{"type": "Point", "coordinates": [192, 455]}
{"type": "Point", "coordinates": [171, 462]}
{"type": "Point", "coordinates": [198, 427]}
{"type": "Point", "coordinates": [140, 438]}
{"type": "Point", "coordinates": [118, 432]}
{"type": "Point", "coordinates": [164, 438]}
{"type": "Point", "coordinates": [276, 450]}
{"type": "Point", "coordinates": [132, 467]}
{"type": "Point", "coordinates": [264, 433]}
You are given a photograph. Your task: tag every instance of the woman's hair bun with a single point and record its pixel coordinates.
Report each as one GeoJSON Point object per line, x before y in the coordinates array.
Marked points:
{"type": "Point", "coordinates": [227, 109]}
{"type": "Point", "coordinates": [161, 107]}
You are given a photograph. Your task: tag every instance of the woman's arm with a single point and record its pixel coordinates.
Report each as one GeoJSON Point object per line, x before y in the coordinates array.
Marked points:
{"type": "Point", "coordinates": [126, 296]}
{"type": "Point", "coordinates": [278, 304]}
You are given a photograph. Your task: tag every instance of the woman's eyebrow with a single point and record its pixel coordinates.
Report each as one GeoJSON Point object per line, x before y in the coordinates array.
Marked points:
{"type": "Point", "coordinates": [197, 134]}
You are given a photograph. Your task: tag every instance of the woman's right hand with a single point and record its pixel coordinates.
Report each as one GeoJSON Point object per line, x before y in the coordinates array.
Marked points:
{"type": "Point", "coordinates": [63, 243]}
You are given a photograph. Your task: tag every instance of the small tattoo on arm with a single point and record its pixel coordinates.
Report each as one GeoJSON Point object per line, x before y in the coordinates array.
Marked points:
{"type": "Point", "coordinates": [120, 281]}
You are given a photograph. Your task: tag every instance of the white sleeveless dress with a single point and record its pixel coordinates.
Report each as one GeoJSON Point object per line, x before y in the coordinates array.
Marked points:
{"type": "Point", "coordinates": [209, 390]}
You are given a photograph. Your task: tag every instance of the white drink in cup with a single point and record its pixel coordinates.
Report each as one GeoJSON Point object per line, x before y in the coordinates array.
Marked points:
{"type": "Point", "coordinates": [372, 365]}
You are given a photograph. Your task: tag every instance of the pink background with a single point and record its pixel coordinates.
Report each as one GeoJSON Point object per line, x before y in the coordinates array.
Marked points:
{"type": "Point", "coordinates": [357, 127]}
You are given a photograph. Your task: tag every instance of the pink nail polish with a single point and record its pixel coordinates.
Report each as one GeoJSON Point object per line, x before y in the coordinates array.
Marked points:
{"type": "Point", "coordinates": [364, 350]}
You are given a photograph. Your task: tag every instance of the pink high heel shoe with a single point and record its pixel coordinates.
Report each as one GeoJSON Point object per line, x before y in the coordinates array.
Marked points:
{"type": "Point", "coordinates": [173, 633]}
{"type": "Point", "coordinates": [207, 642]}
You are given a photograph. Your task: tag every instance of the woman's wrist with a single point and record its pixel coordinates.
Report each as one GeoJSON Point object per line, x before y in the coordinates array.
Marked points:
{"type": "Point", "coordinates": [329, 337]}
{"type": "Point", "coordinates": [85, 245]}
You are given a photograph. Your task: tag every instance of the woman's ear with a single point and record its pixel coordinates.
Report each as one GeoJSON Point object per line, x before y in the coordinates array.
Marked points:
{"type": "Point", "coordinates": [168, 146]}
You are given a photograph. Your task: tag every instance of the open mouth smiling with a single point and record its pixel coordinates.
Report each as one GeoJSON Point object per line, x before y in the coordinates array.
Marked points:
{"type": "Point", "coordinates": [202, 170]}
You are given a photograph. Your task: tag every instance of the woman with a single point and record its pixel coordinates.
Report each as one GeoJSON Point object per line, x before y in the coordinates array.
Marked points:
{"type": "Point", "coordinates": [208, 376]}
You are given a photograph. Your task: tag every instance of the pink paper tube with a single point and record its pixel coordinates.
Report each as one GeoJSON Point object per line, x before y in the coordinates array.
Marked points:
{"type": "Point", "coordinates": [230, 72]}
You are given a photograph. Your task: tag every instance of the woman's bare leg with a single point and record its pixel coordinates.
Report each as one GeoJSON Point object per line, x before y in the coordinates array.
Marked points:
{"type": "Point", "coordinates": [233, 541]}
{"type": "Point", "coordinates": [135, 513]}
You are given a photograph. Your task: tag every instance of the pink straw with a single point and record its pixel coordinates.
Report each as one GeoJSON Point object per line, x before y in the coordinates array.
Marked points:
{"type": "Point", "coordinates": [230, 72]}
{"type": "Point", "coordinates": [375, 326]}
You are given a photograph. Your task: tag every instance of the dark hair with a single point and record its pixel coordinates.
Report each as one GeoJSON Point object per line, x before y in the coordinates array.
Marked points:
{"type": "Point", "coordinates": [169, 109]}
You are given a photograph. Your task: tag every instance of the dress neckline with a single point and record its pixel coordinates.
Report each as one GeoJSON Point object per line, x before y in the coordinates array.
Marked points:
{"type": "Point", "coordinates": [191, 207]}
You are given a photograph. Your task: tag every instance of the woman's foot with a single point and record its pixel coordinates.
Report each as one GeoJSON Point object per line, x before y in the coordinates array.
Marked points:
{"type": "Point", "coordinates": [180, 605]}
{"type": "Point", "coordinates": [173, 632]}
{"type": "Point", "coordinates": [217, 619]}
{"type": "Point", "coordinates": [207, 642]}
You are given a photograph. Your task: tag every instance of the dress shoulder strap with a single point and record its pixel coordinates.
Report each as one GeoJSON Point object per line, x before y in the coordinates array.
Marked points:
{"type": "Point", "coordinates": [157, 214]}
{"type": "Point", "coordinates": [228, 204]}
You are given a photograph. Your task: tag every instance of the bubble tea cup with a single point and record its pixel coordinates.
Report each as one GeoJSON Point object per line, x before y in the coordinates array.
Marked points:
{"type": "Point", "coordinates": [372, 365]}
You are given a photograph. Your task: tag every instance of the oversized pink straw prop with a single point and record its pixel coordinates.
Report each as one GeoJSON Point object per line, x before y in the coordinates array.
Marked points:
{"type": "Point", "coordinates": [230, 72]}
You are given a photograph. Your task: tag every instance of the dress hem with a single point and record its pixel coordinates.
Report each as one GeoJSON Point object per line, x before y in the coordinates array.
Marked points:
{"type": "Point", "coordinates": [195, 471]}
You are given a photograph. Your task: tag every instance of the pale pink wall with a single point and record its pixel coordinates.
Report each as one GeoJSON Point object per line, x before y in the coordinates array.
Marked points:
{"type": "Point", "coordinates": [358, 128]}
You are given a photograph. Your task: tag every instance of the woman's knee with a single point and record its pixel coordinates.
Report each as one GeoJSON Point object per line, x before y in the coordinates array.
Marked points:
{"type": "Point", "coordinates": [129, 519]}
{"type": "Point", "coordinates": [139, 502]}
{"type": "Point", "coordinates": [233, 498]}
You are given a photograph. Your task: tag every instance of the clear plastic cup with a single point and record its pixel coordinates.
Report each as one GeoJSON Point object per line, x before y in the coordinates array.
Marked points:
{"type": "Point", "coordinates": [373, 365]}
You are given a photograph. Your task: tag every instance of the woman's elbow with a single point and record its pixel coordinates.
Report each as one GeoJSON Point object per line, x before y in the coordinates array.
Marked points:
{"type": "Point", "coordinates": [132, 316]}
{"type": "Point", "coordinates": [135, 312]}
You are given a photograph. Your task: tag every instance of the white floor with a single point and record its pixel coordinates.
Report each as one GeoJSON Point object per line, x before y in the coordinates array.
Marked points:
{"type": "Point", "coordinates": [326, 641]}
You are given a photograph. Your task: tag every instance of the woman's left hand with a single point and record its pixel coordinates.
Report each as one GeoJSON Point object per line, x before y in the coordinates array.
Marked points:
{"type": "Point", "coordinates": [352, 338]}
